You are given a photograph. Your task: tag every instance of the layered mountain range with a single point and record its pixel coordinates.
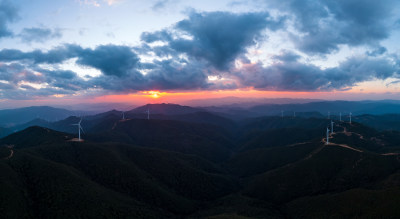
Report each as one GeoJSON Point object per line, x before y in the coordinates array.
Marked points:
{"type": "Point", "coordinates": [188, 162]}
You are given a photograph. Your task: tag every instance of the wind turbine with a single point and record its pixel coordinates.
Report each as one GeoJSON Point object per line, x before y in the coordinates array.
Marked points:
{"type": "Point", "coordinates": [282, 113]}
{"type": "Point", "coordinates": [294, 113]}
{"type": "Point", "coordinates": [327, 135]}
{"type": "Point", "coordinates": [340, 116]}
{"type": "Point", "coordinates": [332, 126]}
{"type": "Point", "coordinates": [350, 117]}
{"type": "Point", "coordinates": [126, 109]}
{"type": "Point", "coordinates": [329, 114]}
{"type": "Point", "coordinates": [79, 129]}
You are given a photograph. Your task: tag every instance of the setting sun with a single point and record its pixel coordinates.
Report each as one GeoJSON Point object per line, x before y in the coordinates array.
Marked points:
{"type": "Point", "coordinates": [153, 94]}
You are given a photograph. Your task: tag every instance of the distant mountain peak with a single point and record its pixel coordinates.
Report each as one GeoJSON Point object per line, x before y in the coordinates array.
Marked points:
{"type": "Point", "coordinates": [166, 108]}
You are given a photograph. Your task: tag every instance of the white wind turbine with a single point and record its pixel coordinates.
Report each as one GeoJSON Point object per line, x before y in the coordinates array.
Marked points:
{"type": "Point", "coordinates": [350, 116]}
{"type": "Point", "coordinates": [329, 114]}
{"type": "Point", "coordinates": [327, 135]}
{"type": "Point", "coordinates": [148, 114]}
{"type": "Point", "coordinates": [126, 109]}
{"type": "Point", "coordinates": [340, 116]}
{"type": "Point", "coordinates": [332, 126]}
{"type": "Point", "coordinates": [79, 129]}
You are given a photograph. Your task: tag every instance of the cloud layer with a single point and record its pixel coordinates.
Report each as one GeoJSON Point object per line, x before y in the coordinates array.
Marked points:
{"type": "Point", "coordinates": [217, 37]}
{"type": "Point", "coordinates": [325, 25]}
{"type": "Point", "coordinates": [210, 51]}
{"type": "Point", "coordinates": [8, 14]}
{"type": "Point", "coordinates": [290, 75]}
{"type": "Point", "coordinates": [39, 35]}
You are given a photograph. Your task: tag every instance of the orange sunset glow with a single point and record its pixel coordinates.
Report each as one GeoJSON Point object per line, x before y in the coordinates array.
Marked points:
{"type": "Point", "coordinates": [181, 97]}
{"type": "Point", "coordinates": [212, 52]}
{"type": "Point", "coordinates": [153, 94]}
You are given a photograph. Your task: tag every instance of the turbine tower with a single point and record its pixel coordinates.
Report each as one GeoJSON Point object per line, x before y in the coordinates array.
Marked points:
{"type": "Point", "coordinates": [123, 115]}
{"type": "Point", "coordinates": [294, 113]}
{"type": "Point", "coordinates": [282, 113]}
{"type": "Point", "coordinates": [327, 135]}
{"type": "Point", "coordinates": [329, 114]}
{"type": "Point", "coordinates": [79, 129]}
{"type": "Point", "coordinates": [350, 117]}
{"type": "Point", "coordinates": [332, 126]}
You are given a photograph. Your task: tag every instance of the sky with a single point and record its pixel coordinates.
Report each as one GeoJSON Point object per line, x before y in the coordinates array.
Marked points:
{"type": "Point", "coordinates": [148, 51]}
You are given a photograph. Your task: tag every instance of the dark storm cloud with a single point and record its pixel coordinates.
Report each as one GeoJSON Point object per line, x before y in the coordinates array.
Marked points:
{"type": "Point", "coordinates": [39, 35]}
{"type": "Point", "coordinates": [53, 56]}
{"type": "Point", "coordinates": [328, 24]}
{"type": "Point", "coordinates": [159, 51]}
{"type": "Point", "coordinates": [151, 37]}
{"type": "Point", "coordinates": [15, 73]}
{"type": "Point", "coordinates": [287, 56]}
{"type": "Point", "coordinates": [168, 74]}
{"type": "Point", "coordinates": [110, 59]}
{"type": "Point", "coordinates": [295, 76]}
{"type": "Point", "coordinates": [64, 79]}
{"type": "Point", "coordinates": [119, 64]}
{"type": "Point", "coordinates": [19, 79]}
{"type": "Point", "coordinates": [217, 37]}
{"type": "Point", "coordinates": [8, 13]}
{"type": "Point", "coordinates": [377, 51]}
{"type": "Point", "coordinates": [171, 74]}
{"type": "Point", "coordinates": [59, 74]}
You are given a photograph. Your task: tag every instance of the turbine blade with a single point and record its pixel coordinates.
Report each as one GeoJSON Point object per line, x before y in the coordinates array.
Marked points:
{"type": "Point", "coordinates": [81, 129]}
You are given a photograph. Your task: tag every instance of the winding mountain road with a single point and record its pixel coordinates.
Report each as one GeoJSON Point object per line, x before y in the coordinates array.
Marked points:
{"type": "Point", "coordinates": [343, 145]}
{"type": "Point", "coordinates": [349, 147]}
{"type": "Point", "coordinates": [11, 152]}
{"type": "Point", "coordinates": [340, 145]}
